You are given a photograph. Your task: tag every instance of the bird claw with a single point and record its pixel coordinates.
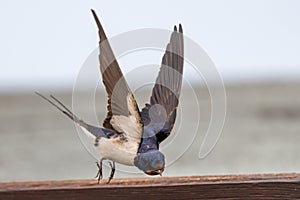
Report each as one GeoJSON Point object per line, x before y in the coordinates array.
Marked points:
{"type": "Point", "coordinates": [113, 169]}
{"type": "Point", "coordinates": [99, 173]}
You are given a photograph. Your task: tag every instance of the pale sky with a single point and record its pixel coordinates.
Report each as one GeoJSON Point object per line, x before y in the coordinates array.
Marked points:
{"type": "Point", "coordinates": [44, 43]}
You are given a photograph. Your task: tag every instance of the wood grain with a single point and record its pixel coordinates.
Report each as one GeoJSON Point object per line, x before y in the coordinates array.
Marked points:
{"type": "Point", "coordinates": [255, 186]}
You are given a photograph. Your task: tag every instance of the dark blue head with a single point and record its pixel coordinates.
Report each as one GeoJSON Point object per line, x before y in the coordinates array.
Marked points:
{"type": "Point", "coordinates": [150, 162]}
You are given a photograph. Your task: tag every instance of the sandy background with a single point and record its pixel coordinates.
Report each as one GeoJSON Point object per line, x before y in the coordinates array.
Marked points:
{"type": "Point", "coordinates": [261, 135]}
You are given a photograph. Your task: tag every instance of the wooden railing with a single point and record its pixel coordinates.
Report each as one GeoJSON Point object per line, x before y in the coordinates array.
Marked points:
{"type": "Point", "coordinates": [257, 186]}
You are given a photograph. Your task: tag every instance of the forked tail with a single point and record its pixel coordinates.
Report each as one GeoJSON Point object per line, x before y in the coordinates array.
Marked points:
{"type": "Point", "coordinates": [88, 129]}
{"type": "Point", "coordinates": [63, 109]}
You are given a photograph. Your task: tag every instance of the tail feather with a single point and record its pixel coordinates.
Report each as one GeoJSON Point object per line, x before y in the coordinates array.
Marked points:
{"type": "Point", "coordinates": [88, 129]}
{"type": "Point", "coordinates": [67, 111]}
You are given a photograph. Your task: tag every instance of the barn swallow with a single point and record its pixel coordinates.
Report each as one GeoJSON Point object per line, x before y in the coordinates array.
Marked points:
{"type": "Point", "coordinates": [130, 136]}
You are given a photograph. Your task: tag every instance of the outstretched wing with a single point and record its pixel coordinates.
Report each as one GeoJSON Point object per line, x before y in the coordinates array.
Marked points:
{"type": "Point", "coordinates": [160, 114]}
{"type": "Point", "coordinates": [123, 113]}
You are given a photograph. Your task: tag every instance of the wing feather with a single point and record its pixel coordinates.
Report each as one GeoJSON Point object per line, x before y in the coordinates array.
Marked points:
{"type": "Point", "coordinates": [166, 91]}
{"type": "Point", "coordinates": [121, 103]}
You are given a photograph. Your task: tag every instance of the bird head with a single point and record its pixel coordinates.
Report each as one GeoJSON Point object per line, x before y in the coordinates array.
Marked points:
{"type": "Point", "coordinates": [151, 162]}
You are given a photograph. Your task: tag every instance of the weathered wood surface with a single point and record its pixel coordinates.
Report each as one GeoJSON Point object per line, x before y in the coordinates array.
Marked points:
{"type": "Point", "coordinates": [256, 186]}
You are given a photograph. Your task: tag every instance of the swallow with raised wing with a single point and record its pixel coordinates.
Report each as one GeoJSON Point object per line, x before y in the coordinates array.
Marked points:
{"type": "Point", "coordinates": [130, 136]}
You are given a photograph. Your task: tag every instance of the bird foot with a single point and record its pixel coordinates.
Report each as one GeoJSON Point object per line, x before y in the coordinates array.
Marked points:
{"type": "Point", "coordinates": [99, 173]}
{"type": "Point", "coordinates": [113, 169]}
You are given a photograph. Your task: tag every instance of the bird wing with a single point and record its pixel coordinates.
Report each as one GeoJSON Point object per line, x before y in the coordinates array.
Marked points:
{"type": "Point", "coordinates": [123, 113]}
{"type": "Point", "coordinates": [165, 94]}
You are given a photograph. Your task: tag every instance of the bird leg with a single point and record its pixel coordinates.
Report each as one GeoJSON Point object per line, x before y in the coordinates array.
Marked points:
{"type": "Point", "coordinates": [99, 173]}
{"type": "Point", "coordinates": [113, 169]}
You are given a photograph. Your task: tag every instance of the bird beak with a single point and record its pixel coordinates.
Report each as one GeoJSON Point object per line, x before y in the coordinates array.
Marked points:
{"type": "Point", "coordinates": [160, 172]}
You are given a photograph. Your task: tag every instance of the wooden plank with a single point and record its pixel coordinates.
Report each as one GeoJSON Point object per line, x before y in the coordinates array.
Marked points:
{"type": "Point", "coordinates": [256, 186]}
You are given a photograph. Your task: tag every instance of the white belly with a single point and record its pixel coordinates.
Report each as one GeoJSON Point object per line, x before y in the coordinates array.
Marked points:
{"type": "Point", "coordinates": [117, 151]}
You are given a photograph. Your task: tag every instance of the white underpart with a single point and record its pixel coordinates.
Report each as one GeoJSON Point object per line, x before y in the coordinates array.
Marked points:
{"type": "Point", "coordinates": [115, 149]}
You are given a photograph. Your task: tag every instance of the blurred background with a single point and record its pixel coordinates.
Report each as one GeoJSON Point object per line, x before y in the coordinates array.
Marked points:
{"type": "Point", "coordinates": [253, 44]}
